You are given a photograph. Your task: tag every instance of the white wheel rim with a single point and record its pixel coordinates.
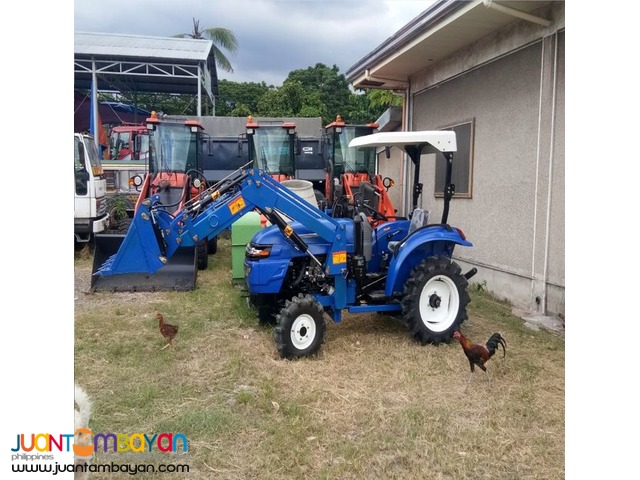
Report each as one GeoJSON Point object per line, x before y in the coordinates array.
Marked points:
{"type": "Point", "coordinates": [439, 303]}
{"type": "Point", "coordinates": [303, 331]}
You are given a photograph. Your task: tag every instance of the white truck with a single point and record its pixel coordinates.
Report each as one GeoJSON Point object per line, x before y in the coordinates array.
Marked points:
{"type": "Point", "coordinates": [90, 189]}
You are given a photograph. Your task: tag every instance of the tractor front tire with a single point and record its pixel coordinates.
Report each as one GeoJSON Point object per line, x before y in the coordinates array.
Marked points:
{"type": "Point", "coordinates": [435, 300]}
{"type": "Point", "coordinates": [212, 245]}
{"type": "Point", "coordinates": [300, 327]}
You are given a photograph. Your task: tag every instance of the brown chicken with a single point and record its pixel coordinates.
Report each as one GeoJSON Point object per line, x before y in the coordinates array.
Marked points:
{"type": "Point", "coordinates": [167, 330]}
{"type": "Point", "coordinates": [479, 354]}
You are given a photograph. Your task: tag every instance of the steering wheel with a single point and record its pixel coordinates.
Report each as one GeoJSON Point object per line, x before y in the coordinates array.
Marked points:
{"type": "Point", "coordinates": [374, 213]}
{"type": "Point", "coordinates": [198, 181]}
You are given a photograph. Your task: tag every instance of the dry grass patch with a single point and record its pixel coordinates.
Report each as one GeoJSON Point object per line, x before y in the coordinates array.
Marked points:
{"type": "Point", "coordinates": [372, 404]}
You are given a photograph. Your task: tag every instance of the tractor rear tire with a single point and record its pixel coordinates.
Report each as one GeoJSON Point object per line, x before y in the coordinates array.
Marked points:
{"type": "Point", "coordinates": [202, 255]}
{"type": "Point", "coordinates": [435, 300]}
{"type": "Point", "coordinates": [300, 327]}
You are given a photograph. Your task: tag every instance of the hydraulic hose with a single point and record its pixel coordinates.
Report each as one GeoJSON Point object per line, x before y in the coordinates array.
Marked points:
{"type": "Point", "coordinates": [276, 219]}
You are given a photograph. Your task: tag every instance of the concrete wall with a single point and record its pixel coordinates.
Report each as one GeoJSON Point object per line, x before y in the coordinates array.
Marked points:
{"type": "Point", "coordinates": [512, 85]}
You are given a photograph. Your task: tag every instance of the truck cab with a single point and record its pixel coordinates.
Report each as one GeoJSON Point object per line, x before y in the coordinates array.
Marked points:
{"type": "Point", "coordinates": [90, 204]}
{"type": "Point", "coordinates": [128, 161]}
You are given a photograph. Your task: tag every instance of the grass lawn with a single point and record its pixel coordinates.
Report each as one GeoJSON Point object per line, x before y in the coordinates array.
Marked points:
{"type": "Point", "coordinates": [372, 404]}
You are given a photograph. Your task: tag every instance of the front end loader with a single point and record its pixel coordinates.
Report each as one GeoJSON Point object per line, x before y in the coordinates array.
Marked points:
{"type": "Point", "coordinates": [175, 177]}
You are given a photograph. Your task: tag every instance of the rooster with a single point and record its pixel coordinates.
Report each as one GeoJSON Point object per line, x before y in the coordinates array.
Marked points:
{"type": "Point", "coordinates": [167, 330]}
{"type": "Point", "coordinates": [479, 354]}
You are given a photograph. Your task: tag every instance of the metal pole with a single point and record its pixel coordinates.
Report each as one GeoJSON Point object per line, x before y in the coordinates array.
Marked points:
{"type": "Point", "coordinates": [94, 103]}
{"type": "Point", "coordinates": [199, 91]}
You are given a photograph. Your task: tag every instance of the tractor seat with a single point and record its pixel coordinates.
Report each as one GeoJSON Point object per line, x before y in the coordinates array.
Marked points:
{"type": "Point", "coordinates": [419, 218]}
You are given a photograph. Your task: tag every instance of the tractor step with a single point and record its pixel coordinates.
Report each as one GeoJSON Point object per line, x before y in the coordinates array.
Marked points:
{"type": "Point", "coordinates": [375, 297]}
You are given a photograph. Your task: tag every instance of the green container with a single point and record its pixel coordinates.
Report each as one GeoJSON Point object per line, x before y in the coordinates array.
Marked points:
{"type": "Point", "coordinates": [242, 231]}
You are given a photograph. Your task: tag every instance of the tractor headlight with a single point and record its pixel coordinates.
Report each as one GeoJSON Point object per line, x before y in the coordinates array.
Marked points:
{"type": "Point", "coordinates": [256, 252]}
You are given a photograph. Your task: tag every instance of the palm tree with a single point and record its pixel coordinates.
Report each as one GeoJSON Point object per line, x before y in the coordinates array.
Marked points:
{"type": "Point", "coordinates": [221, 37]}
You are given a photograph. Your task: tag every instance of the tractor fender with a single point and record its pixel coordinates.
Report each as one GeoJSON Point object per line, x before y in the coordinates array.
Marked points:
{"type": "Point", "coordinates": [425, 242]}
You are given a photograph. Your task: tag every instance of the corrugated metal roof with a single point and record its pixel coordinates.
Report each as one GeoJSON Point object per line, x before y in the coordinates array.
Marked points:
{"type": "Point", "coordinates": [144, 64]}
{"type": "Point", "coordinates": [118, 45]}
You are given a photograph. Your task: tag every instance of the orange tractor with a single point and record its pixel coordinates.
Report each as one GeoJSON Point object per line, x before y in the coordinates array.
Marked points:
{"type": "Point", "coordinates": [352, 182]}
{"type": "Point", "coordinates": [174, 177]}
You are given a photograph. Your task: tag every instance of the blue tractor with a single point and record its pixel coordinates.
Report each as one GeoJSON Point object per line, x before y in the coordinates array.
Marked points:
{"type": "Point", "coordinates": [308, 265]}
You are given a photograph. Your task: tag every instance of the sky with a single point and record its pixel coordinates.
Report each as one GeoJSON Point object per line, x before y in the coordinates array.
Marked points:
{"type": "Point", "coordinates": [274, 36]}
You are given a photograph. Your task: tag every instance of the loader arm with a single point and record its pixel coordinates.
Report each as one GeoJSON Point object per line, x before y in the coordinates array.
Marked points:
{"type": "Point", "coordinates": [155, 235]}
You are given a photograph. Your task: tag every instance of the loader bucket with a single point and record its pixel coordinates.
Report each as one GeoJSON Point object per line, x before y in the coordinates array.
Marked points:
{"type": "Point", "coordinates": [112, 253]}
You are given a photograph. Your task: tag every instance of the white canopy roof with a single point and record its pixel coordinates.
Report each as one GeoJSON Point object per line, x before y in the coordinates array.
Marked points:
{"type": "Point", "coordinates": [443, 140]}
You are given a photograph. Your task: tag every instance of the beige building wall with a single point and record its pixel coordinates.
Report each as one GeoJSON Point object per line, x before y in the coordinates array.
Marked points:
{"type": "Point", "coordinates": [512, 86]}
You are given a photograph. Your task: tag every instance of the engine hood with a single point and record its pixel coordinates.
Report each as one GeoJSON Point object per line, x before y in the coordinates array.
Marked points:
{"type": "Point", "coordinates": [272, 235]}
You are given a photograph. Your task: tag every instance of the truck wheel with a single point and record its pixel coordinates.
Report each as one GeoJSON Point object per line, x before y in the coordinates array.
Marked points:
{"type": "Point", "coordinates": [435, 300]}
{"type": "Point", "coordinates": [212, 245]}
{"type": "Point", "coordinates": [202, 256]}
{"type": "Point", "coordinates": [300, 327]}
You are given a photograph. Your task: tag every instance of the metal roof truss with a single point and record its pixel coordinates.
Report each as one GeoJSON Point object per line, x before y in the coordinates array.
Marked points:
{"type": "Point", "coordinates": [149, 76]}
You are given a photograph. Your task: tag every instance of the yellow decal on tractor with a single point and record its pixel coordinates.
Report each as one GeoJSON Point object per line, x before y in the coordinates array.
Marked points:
{"type": "Point", "coordinates": [339, 257]}
{"type": "Point", "coordinates": [288, 230]}
{"type": "Point", "coordinates": [237, 205]}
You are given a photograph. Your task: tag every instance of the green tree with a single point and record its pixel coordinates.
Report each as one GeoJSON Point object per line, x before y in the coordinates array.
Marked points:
{"type": "Point", "coordinates": [274, 104]}
{"type": "Point", "coordinates": [383, 98]}
{"type": "Point", "coordinates": [233, 95]}
{"type": "Point", "coordinates": [357, 110]}
{"type": "Point", "coordinates": [170, 104]}
{"type": "Point", "coordinates": [313, 106]}
{"type": "Point", "coordinates": [240, 110]}
{"type": "Point", "coordinates": [367, 106]}
{"type": "Point", "coordinates": [292, 99]}
{"type": "Point", "coordinates": [221, 38]}
{"type": "Point", "coordinates": [326, 85]}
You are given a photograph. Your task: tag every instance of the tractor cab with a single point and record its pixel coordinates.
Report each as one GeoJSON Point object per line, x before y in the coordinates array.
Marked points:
{"type": "Point", "coordinates": [175, 161]}
{"type": "Point", "coordinates": [272, 148]}
{"type": "Point", "coordinates": [352, 182]}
